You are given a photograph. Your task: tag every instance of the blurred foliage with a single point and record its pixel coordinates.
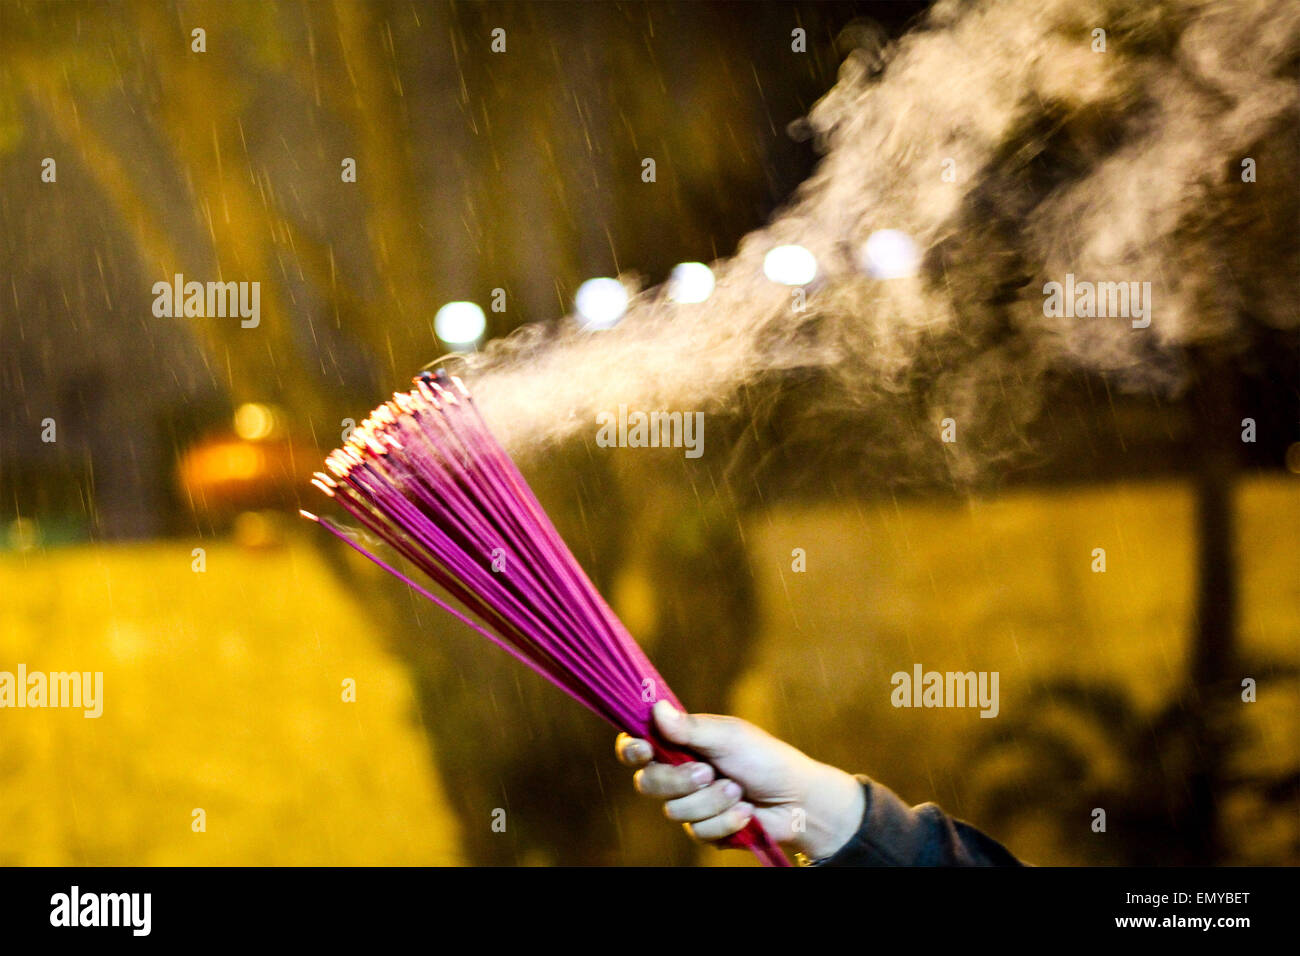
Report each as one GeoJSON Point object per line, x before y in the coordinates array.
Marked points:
{"type": "Point", "coordinates": [1136, 767]}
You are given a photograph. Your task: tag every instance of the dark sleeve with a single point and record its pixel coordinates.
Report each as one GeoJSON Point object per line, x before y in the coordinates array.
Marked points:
{"type": "Point", "coordinates": [894, 834]}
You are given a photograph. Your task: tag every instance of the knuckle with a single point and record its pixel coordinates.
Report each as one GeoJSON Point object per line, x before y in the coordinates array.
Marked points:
{"type": "Point", "coordinates": [719, 799]}
{"type": "Point", "coordinates": [697, 775]}
{"type": "Point", "coordinates": [682, 782]}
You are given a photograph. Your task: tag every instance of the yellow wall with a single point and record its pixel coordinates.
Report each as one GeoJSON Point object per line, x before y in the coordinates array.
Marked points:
{"type": "Point", "coordinates": [222, 691]}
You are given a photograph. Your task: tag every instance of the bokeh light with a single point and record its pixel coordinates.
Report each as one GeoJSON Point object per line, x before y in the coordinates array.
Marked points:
{"type": "Point", "coordinates": [790, 265]}
{"type": "Point", "coordinates": [601, 302]}
{"type": "Point", "coordinates": [460, 324]}
{"type": "Point", "coordinates": [255, 421]}
{"type": "Point", "coordinates": [690, 282]}
{"type": "Point", "coordinates": [889, 254]}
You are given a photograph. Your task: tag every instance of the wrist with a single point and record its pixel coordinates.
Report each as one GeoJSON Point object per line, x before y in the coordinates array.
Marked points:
{"type": "Point", "coordinates": [833, 807]}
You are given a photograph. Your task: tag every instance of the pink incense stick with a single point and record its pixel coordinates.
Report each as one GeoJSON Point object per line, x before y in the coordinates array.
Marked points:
{"type": "Point", "coordinates": [424, 474]}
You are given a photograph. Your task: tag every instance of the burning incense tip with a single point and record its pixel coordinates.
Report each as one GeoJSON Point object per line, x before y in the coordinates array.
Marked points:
{"type": "Point", "coordinates": [308, 514]}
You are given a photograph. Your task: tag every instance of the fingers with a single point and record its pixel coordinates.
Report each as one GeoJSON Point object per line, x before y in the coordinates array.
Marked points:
{"type": "Point", "coordinates": [632, 751]}
{"type": "Point", "coordinates": [723, 825]}
{"type": "Point", "coordinates": [709, 808]}
{"type": "Point", "coordinates": [707, 734]}
{"type": "Point", "coordinates": [668, 782]}
{"type": "Point", "coordinates": [719, 796]}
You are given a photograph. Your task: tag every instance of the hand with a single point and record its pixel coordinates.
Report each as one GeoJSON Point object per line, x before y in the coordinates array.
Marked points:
{"type": "Point", "coordinates": [775, 780]}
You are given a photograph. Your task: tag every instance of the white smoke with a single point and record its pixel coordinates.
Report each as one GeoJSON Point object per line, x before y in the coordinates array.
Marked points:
{"type": "Point", "coordinates": [1116, 166]}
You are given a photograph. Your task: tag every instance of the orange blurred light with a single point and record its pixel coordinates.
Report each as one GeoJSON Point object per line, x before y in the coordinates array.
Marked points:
{"type": "Point", "coordinates": [255, 421]}
{"type": "Point", "coordinates": [221, 462]}
{"type": "Point", "coordinates": [228, 474]}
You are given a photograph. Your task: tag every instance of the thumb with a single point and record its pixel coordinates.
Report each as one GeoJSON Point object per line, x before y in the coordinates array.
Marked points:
{"type": "Point", "coordinates": [708, 735]}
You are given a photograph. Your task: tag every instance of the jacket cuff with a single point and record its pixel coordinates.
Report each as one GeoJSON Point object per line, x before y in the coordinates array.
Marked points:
{"type": "Point", "coordinates": [894, 834]}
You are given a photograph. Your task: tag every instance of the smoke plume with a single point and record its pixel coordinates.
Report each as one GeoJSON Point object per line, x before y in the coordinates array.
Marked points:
{"type": "Point", "coordinates": [1122, 165]}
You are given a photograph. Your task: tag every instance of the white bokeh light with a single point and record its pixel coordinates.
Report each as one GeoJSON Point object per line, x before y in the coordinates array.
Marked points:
{"type": "Point", "coordinates": [601, 302]}
{"type": "Point", "coordinates": [790, 265]}
{"type": "Point", "coordinates": [690, 282]}
{"type": "Point", "coordinates": [460, 324]}
{"type": "Point", "coordinates": [890, 254]}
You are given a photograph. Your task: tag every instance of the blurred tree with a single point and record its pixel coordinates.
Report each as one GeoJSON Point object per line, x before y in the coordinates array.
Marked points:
{"type": "Point", "coordinates": [1078, 746]}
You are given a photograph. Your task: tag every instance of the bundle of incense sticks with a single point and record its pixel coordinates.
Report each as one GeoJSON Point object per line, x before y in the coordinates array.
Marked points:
{"type": "Point", "coordinates": [425, 474]}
